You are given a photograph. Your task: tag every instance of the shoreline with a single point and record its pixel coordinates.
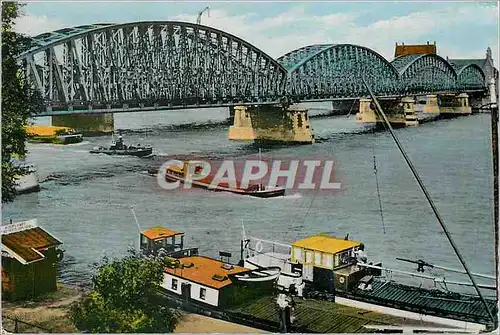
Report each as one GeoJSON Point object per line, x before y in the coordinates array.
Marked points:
{"type": "Point", "coordinates": [49, 313]}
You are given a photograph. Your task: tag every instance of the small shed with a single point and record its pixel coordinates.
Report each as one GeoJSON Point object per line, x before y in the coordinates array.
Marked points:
{"type": "Point", "coordinates": [29, 260]}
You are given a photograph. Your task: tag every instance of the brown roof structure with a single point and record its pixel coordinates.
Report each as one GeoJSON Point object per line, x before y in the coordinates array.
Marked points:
{"type": "Point", "coordinates": [25, 245]}
{"type": "Point", "coordinates": [416, 49]}
{"type": "Point", "coordinates": [205, 271]}
{"type": "Point", "coordinates": [156, 233]}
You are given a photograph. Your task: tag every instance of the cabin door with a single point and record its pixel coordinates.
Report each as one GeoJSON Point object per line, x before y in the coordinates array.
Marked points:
{"type": "Point", "coordinates": [186, 291]}
{"type": "Point", "coordinates": [308, 272]}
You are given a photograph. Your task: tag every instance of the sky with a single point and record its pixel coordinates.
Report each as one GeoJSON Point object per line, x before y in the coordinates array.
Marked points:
{"type": "Point", "coordinates": [460, 29]}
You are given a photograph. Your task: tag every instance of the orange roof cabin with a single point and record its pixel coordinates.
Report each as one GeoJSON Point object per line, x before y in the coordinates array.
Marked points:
{"type": "Point", "coordinates": [206, 281]}
{"type": "Point", "coordinates": [197, 279]}
{"type": "Point", "coordinates": [417, 49]}
{"type": "Point", "coordinates": [156, 239]}
{"type": "Point", "coordinates": [29, 259]}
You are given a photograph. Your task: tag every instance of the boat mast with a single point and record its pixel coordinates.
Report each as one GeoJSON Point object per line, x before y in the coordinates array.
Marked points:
{"type": "Point", "coordinates": [429, 199]}
{"type": "Point", "coordinates": [260, 184]}
{"type": "Point", "coordinates": [494, 148]}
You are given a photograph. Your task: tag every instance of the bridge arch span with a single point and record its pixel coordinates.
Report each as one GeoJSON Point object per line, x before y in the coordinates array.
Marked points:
{"type": "Point", "coordinates": [471, 77]}
{"type": "Point", "coordinates": [427, 73]}
{"type": "Point", "coordinates": [335, 70]}
{"type": "Point", "coordinates": [151, 63]}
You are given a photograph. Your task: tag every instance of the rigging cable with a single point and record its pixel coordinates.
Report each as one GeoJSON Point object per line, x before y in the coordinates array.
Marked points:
{"type": "Point", "coordinates": [350, 110]}
{"type": "Point", "coordinates": [378, 189]}
{"type": "Point", "coordinates": [431, 203]}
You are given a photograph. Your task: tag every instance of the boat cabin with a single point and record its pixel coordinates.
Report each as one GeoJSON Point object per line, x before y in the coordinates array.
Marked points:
{"type": "Point", "coordinates": [210, 282]}
{"type": "Point", "coordinates": [189, 169]}
{"type": "Point", "coordinates": [328, 263]}
{"type": "Point", "coordinates": [29, 261]}
{"type": "Point", "coordinates": [156, 238]}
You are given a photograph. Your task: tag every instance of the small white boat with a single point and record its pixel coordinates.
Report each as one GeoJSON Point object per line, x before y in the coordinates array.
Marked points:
{"type": "Point", "coordinates": [29, 182]}
{"type": "Point", "coordinates": [260, 275]}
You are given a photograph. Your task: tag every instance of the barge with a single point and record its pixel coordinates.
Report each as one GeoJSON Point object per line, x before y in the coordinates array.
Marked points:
{"type": "Point", "coordinates": [330, 268]}
{"type": "Point", "coordinates": [183, 175]}
{"type": "Point", "coordinates": [253, 296]}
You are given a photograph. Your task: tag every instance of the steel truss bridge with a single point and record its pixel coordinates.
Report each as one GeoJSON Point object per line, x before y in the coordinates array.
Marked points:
{"type": "Point", "coordinates": [153, 65]}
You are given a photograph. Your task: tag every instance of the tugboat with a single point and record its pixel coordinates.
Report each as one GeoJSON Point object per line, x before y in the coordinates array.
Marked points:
{"type": "Point", "coordinates": [175, 173]}
{"type": "Point", "coordinates": [119, 148]}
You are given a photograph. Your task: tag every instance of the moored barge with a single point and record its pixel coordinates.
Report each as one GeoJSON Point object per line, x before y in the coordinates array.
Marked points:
{"type": "Point", "coordinates": [251, 296]}
{"type": "Point", "coordinates": [329, 268]}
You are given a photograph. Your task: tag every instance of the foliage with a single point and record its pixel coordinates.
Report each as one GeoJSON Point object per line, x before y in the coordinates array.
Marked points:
{"type": "Point", "coordinates": [19, 101]}
{"type": "Point", "coordinates": [124, 299]}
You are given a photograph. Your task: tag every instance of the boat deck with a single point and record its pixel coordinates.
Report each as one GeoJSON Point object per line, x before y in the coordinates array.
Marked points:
{"type": "Point", "coordinates": [431, 302]}
{"type": "Point", "coordinates": [316, 316]}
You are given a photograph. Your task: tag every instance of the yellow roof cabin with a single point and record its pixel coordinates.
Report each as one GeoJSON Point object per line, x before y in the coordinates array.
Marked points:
{"type": "Point", "coordinates": [38, 130]}
{"type": "Point", "coordinates": [326, 244]}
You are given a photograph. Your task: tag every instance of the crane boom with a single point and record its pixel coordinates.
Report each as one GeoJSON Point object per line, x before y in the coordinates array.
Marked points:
{"type": "Point", "coordinates": [198, 20]}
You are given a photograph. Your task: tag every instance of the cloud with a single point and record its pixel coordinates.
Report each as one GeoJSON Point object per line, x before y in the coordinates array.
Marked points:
{"type": "Point", "coordinates": [453, 27]}
{"type": "Point", "coordinates": [295, 28]}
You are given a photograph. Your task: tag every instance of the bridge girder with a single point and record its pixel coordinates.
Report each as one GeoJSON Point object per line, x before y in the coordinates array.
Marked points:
{"type": "Point", "coordinates": [427, 73]}
{"type": "Point", "coordinates": [335, 70]}
{"type": "Point", "coordinates": [168, 64]}
{"type": "Point", "coordinates": [161, 63]}
{"type": "Point", "coordinates": [471, 77]}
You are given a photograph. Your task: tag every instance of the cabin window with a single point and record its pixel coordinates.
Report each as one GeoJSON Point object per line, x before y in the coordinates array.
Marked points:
{"type": "Point", "coordinates": [317, 258]}
{"type": "Point", "coordinates": [309, 257]}
{"type": "Point", "coordinates": [298, 254]}
{"type": "Point", "coordinates": [344, 257]}
{"type": "Point", "coordinates": [174, 284]}
{"type": "Point", "coordinates": [203, 293]}
{"type": "Point", "coordinates": [328, 261]}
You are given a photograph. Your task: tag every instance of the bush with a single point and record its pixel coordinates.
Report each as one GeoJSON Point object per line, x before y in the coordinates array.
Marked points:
{"type": "Point", "coordinates": [124, 299]}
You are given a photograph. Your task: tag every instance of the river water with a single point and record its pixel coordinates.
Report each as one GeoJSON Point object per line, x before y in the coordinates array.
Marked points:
{"type": "Point", "coordinates": [85, 199]}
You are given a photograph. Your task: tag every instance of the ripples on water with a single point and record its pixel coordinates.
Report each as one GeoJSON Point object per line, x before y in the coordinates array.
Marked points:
{"type": "Point", "coordinates": [85, 199]}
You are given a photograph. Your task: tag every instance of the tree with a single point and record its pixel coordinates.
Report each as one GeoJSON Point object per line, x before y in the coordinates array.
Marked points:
{"type": "Point", "coordinates": [124, 299]}
{"type": "Point", "coordinates": [19, 101]}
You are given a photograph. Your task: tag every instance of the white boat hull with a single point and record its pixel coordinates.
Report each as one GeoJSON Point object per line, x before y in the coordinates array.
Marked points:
{"type": "Point", "coordinates": [28, 183]}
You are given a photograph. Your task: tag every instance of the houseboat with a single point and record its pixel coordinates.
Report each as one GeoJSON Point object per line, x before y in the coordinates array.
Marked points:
{"type": "Point", "coordinates": [201, 280]}
{"type": "Point", "coordinates": [53, 134]}
{"type": "Point", "coordinates": [195, 178]}
{"type": "Point", "coordinates": [329, 268]}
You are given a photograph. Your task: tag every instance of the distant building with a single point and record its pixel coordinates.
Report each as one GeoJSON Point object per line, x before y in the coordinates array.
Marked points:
{"type": "Point", "coordinates": [29, 261]}
{"type": "Point", "coordinates": [486, 64]}
{"type": "Point", "coordinates": [417, 49]}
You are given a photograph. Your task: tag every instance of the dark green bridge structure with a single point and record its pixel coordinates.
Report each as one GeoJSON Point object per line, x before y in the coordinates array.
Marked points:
{"type": "Point", "coordinates": [155, 65]}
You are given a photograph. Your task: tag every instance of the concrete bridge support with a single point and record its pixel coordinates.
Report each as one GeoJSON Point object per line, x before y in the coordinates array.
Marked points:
{"type": "Point", "coordinates": [88, 124]}
{"type": "Point", "coordinates": [400, 112]}
{"type": "Point", "coordinates": [454, 104]}
{"type": "Point", "coordinates": [431, 104]}
{"type": "Point", "coordinates": [271, 123]}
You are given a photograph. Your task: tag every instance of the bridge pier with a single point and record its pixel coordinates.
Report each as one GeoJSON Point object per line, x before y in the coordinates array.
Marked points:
{"type": "Point", "coordinates": [431, 104]}
{"type": "Point", "coordinates": [399, 112]}
{"type": "Point", "coordinates": [271, 123]}
{"type": "Point", "coordinates": [454, 104]}
{"type": "Point", "coordinates": [88, 124]}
